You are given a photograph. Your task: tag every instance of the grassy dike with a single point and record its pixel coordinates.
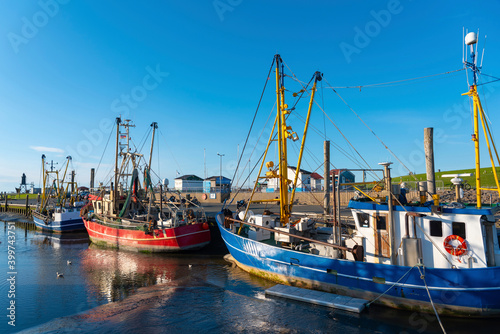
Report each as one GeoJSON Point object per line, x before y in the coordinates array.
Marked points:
{"type": "Point", "coordinates": [487, 177]}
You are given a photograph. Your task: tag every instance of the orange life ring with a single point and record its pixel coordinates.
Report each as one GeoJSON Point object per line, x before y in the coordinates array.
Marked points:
{"type": "Point", "coordinates": [461, 249]}
{"type": "Point", "coordinates": [204, 196]}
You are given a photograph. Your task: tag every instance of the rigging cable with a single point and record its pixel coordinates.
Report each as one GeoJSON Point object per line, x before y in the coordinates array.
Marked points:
{"type": "Point", "coordinates": [387, 148]}
{"type": "Point", "coordinates": [338, 129]}
{"type": "Point", "coordinates": [254, 116]}
{"type": "Point", "coordinates": [105, 147]}
{"type": "Point", "coordinates": [394, 82]}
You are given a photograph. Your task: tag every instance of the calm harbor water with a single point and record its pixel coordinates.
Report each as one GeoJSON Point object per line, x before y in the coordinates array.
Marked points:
{"type": "Point", "coordinates": [105, 290]}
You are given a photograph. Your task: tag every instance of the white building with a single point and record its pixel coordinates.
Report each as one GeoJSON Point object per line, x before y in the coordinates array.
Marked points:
{"type": "Point", "coordinates": [303, 180]}
{"type": "Point", "coordinates": [189, 183]}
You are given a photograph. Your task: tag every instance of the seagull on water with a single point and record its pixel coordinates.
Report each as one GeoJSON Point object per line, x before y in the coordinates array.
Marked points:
{"type": "Point", "coordinates": [59, 274]}
{"type": "Point", "coordinates": [68, 262]}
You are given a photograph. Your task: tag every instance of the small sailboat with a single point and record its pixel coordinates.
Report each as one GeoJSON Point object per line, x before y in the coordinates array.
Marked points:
{"type": "Point", "coordinates": [428, 256]}
{"type": "Point", "coordinates": [128, 216]}
{"type": "Point", "coordinates": [59, 210]}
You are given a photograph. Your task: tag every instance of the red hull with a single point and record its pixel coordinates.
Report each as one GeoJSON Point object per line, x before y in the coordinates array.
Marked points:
{"type": "Point", "coordinates": [176, 239]}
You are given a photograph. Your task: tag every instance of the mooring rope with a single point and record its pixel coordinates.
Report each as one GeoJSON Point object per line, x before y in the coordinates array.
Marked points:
{"type": "Point", "coordinates": [399, 280]}
{"type": "Point", "coordinates": [422, 276]}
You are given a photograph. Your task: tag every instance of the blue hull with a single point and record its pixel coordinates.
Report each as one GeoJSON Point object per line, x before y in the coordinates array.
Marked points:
{"type": "Point", "coordinates": [471, 292]}
{"type": "Point", "coordinates": [71, 225]}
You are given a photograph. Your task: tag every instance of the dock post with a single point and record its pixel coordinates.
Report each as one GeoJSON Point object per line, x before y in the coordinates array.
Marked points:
{"type": "Point", "coordinates": [27, 205]}
{"type": "Point", "coordinates": [92, 175]}
{"type": "Point", "coordinates": [429, 161]}
{"type": "Point", "coordinates": [326, 198]}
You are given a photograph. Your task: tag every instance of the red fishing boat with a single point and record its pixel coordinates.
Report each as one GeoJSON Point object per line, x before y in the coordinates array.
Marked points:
{"type": "Point", "coordinates": [128, 216]}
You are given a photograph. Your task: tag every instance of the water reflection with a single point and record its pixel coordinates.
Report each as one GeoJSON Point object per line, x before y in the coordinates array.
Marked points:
{"type": "Point", "coordinates": [116, 274]}
{"type": "Point", "coordinates": [57, 240]}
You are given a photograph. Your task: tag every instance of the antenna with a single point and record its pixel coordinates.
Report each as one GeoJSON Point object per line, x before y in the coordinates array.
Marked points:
{"type": "Point", "coordinates": [471, 39]}
{"type": "Point", "coordinates": [475, 62]}
{"type": "Point", "coordinates": [482, 55]}
{"type": "Point", "coordinates": [463, 47]}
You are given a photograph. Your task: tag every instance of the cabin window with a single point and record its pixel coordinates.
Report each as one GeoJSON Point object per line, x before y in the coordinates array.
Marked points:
{"type": "Point", "coordinates": [459, 229]}
{"type": "Point", "coordinates": [436, 228]}
{"type": "Point", "coordinates": [363, 219]}
{"type": "Point", "coordinates": [381, 222]}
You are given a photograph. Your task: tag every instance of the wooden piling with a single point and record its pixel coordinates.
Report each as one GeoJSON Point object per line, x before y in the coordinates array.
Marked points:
{"type": "Point", "coordinates": [429, 161]}
{"type": "Point", "coordinates": [326, 198]}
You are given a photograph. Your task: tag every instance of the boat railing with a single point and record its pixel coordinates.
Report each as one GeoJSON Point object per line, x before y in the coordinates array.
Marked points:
{"type": "Point", "coordinates": [40, 215]}
{"type": "Point", "coordinates": [352, 250]}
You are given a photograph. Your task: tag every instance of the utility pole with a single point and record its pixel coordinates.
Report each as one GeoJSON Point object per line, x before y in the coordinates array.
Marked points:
{"type": "Point", "coordinates": [220, 179]}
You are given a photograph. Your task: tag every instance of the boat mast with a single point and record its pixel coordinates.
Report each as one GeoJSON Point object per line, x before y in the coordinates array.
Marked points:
{"type": "Point", "coordinates": [155, 126]}
{"type": "Point", "coordinates": [317, 77]}
{"type": "Point", "coordinates": [62, 195]}
{"type": "Point", "coordinates": [471, 39]}
{"type": "Point", "coordinates": [147, 172]}
{"type": "Point", "coordinates": [282, 151]}
{"type": "Point", "coordinates": [44, 176]}
{"type": "Point", "coordinates": [115, 185]}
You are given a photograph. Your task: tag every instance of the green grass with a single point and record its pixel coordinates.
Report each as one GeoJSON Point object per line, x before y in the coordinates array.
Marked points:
{"type": "Point", "coordinates": [20, 196]}
{"type": "Point", "coordinates": [487, 177]}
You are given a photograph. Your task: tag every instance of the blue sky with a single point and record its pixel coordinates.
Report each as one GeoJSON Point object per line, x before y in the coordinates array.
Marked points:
{"type": "Point", "coordinates": [69, 68]}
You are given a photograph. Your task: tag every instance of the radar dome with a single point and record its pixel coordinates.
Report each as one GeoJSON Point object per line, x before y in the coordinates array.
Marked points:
{"type": "Point", "coordinates": [471, 38]}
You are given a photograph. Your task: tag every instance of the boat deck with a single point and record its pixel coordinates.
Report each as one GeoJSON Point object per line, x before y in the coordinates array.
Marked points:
{"type": "Point", "coordinates": [319, 298]}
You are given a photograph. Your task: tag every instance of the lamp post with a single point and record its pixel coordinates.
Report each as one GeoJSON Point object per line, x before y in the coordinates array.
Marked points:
{"type": "Point", "coordinates": [220, 179]}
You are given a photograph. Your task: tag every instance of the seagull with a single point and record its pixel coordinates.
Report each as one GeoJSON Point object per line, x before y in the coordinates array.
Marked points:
{"type": "Point", "coordinates": [59, 274]}
{"type": "Point", "coordinates": [190, 266]}
{"type": "Point", "coordinates": [68, 262]}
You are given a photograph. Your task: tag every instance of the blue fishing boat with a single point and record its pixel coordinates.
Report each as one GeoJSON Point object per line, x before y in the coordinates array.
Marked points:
{"type": "Point", "coordinates": [59, 209]}
{"type": "Point", "coordinates": [424, 256]}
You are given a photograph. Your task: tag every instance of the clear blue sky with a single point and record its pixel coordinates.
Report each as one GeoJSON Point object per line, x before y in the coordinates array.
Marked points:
{"type": "Point", "coordinates": [68, 68]}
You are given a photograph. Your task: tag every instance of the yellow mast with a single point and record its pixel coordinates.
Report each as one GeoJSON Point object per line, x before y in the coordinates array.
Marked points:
{"type": "Point", "coordinates": [317, 77]}
{"type": "Point", "coordinates": [282, 129]}
{"type": "Point", "coordinates": [284, 132]}
{"type": "Point", "coordinates": [479, 114]}
{"type": "Point", "coordinates": [471, 40]}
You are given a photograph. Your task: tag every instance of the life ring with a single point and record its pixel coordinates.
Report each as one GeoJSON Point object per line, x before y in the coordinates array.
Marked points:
{"type": "Point", "coordinates": [461, 249]}
{"type": "Point", "coordinates": [204, 196]}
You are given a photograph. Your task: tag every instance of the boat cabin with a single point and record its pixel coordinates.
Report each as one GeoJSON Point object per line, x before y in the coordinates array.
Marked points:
{"type": "Point", "coordinates": [448, 237]}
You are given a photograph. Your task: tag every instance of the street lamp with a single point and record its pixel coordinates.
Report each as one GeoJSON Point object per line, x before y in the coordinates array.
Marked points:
{"type": "Point", "coordinates": [220, 179]}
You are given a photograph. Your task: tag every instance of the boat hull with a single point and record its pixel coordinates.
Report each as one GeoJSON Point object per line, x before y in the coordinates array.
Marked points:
{"type": "Point", "coordinates": [471, 292]}
{"type": "Point", "coordinates": [182, 238]}
{"type": "Point", "coordinates": [60, 226]}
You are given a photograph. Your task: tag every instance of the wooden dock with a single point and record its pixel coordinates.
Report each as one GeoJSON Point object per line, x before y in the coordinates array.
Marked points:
{"type": "Point", "coordinates": [21, 209]}
{"type": "Point", "coordinates": [319, 298]}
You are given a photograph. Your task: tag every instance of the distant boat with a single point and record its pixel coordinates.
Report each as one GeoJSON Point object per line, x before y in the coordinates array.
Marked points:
{"type": "Point", "coordinates": [59, 210]}
{"type": "Point", "coordinates": [424, 257]}
{"type": "Point", "coordinates": [139, 219]}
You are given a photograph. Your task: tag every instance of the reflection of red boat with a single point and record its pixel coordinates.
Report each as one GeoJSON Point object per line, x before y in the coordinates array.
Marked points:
{"type": "Point", "coordinates": [131, 217]}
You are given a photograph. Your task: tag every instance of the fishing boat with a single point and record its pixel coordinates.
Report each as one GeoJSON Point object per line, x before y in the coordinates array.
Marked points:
{"type": "Point", "coordinates": [128, 216]}
{"type": "Point", "coordinates": [424, 256]}
{"type": "Point", "coordinates": [59, 210]}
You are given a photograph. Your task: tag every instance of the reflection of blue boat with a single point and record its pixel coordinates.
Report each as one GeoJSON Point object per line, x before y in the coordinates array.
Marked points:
{"type": "Point", "coordinates": [64, 214]}
{"type": "Point", "coordinates": [422, 257]}
{"type": "Point", "coordinates": [67, 240]}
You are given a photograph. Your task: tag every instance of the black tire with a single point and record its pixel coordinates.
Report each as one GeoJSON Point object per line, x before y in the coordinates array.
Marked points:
{"type": "Point", "coordinates": [467, 186]}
